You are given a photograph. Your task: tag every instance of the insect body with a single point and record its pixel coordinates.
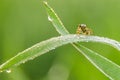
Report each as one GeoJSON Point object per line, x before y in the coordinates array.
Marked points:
{"type": "Point", "coordinates": [82, 29]}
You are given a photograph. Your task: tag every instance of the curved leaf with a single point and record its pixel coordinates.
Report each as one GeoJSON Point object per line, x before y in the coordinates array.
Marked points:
{"type": "Point", "coordinates": [50, 44]}
{"type": "Point", "coordinates": [100, 62]}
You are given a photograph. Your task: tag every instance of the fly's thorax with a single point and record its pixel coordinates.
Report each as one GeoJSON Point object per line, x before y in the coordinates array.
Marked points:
{"type": "Point", "coordinates": [82, 29]}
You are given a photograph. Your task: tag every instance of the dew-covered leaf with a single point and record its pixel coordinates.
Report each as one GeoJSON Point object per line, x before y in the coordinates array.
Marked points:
{"type": "Point", "coordinates": [89, 54]}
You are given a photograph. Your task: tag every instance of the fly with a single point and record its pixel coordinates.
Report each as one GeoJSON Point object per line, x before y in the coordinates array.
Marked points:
{"type": "Point", "coordinates": [82, 29]}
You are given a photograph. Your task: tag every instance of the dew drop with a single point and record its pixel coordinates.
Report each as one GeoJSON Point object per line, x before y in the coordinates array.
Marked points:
{"type": "Point", "coordinates": [49, 18]}
{"type": "Point", "coordinates": [8, 71]}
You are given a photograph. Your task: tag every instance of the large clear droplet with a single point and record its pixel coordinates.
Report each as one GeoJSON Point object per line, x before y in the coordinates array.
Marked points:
{"type": "Point", "coordinates": [49, 18]}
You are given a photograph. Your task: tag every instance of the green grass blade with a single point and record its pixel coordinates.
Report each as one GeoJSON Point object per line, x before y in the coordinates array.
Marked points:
{"type": "Point", "coordinates": [46, 46]}
{"type": "Point", "coordinates": [57, 23]}
{"type": "Point", "coordinates": [41, 48]}
{"type": "Point", "coordinates": [107, 67]}
{"type": "Point", "coordinates": [52, 16]}
{"type": "Point", "coordinates": [87, 52]}
{"type": "Point", "coordinates": [37, 50]}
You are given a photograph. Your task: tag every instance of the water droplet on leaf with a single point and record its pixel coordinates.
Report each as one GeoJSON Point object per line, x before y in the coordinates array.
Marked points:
{"type": "Point", "coordinates": [49, 18]}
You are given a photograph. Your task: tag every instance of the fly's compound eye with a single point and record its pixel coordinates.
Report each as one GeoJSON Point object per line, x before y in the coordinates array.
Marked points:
{"type": "Point", "coordinates": [82, 25]}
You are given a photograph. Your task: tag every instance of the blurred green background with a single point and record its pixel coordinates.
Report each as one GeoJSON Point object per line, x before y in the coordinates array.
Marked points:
{"type": "Point", "coordinates": [24, 23]}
